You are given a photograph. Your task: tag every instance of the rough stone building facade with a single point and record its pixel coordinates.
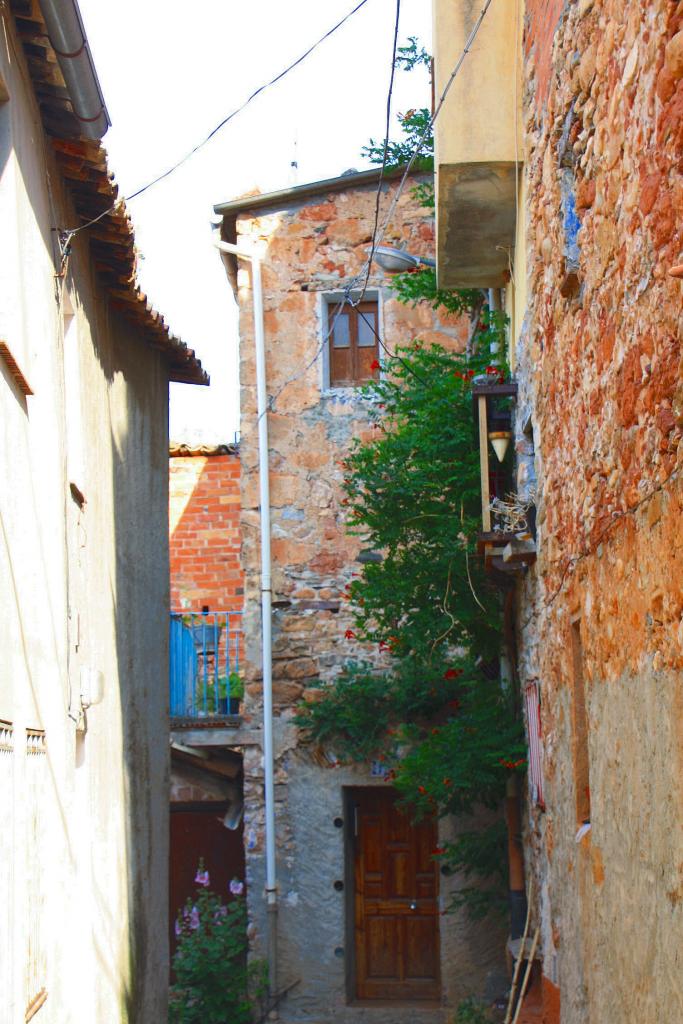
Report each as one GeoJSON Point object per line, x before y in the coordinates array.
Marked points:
{"type": "Point", "coordinates": [314, 240]}
{"type": "Point", "coordinates": [601, 618]}
{"type": "Point", "coordinates": [590, 235]}
{"type": "Point", "coordinates": [85, 365]}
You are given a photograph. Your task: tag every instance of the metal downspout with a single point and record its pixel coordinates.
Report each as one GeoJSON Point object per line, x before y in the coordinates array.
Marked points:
{"type": "Point", "coordinates": [266, 615]}
{"type": "Point", "coordinates": [68, 40]}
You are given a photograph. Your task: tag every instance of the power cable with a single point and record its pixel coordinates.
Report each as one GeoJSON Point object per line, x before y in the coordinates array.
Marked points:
{"type": "Point", "coordinates": [392, 355]}
{"type": "Point", "coordinates": [387, 129]}
{"type": "Point", "coordinates": [69, 233]}
{"type": "Point", "coordinates": [377, 241]}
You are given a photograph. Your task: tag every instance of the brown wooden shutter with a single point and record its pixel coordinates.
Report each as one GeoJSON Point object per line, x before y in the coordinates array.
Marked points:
{"type": "Point", "coordinates": [353, 344]}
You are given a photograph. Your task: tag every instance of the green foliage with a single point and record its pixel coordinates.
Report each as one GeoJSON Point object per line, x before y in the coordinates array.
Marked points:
{"type": "Point", "coordinates": [412, 55]}
{"type": "Point", "coordinates": [438, 715]}
{"type": "Point", "coordinates": [423, 193]}
{"type": "Point", "coordinates": [471, 1012]}
{"type": "Point", "coordinates": [213, 984]}
{"type": "Point", "coordinates": [420, 286]}
{"type": "Point", "coordinates": [414, 493]}
{"type": "Point", "coordinates": [481, 856]}
{"type": "Point", "coordinates": [413, 124]}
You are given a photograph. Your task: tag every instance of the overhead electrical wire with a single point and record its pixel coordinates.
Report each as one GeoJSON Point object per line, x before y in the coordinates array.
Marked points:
{"type": "Point", "coordinates": [377, 239]}
{"type": "Point", "coordinates": [70, 233]}
{"type": "Point", "coordinates": [387, 129]}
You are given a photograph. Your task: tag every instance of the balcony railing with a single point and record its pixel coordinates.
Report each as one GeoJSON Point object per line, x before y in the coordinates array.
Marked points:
{"type": "Point", "coordinates": [205, 653]}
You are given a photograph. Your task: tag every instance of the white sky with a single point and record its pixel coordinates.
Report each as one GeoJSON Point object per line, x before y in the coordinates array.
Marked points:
{"type": "Point", "coordinates": [169, 76]}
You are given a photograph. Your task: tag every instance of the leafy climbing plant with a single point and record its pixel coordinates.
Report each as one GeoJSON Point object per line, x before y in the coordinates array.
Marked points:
{"type": "Point", "coordinates": [436, 713]}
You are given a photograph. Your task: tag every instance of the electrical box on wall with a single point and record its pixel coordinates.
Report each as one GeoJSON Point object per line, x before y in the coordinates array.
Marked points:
{"type": "Point", "coordinates": [92, 686]}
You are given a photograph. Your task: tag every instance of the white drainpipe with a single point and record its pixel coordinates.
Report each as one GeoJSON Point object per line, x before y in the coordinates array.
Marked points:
{"type": "Point", "coordinates": [68, 40]}
{"type": "Point", "coordinates": [266, 608]}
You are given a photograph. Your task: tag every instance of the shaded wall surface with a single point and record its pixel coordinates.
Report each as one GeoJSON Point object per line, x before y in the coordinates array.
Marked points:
{"type": "Point", "coordinates": [602, 611]}
{"type": "Point", "coordinates": [311, 250]}
{"type": "Point", "coordinates": [83, 610]}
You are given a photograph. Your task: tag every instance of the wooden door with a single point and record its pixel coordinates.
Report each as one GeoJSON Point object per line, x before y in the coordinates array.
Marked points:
{"type": "Point", "coordinates": [395, 901]}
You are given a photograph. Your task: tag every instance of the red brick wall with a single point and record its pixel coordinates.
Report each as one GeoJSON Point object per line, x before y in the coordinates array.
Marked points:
{"type": "Point", "coordinates": [204, 532]}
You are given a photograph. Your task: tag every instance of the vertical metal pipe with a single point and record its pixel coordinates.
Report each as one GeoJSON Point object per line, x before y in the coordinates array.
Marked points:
{"type": "Point", "coordinates": [194, 667]}
{"type": "Point", "coordinates": [204, 660]}
{"type": "Point", "coordinates": [266, 625]}
{"type": "Point", "coordinates": [266, 613]}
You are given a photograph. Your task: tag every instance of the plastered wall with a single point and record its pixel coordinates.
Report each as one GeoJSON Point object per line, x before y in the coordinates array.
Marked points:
{"type": "Point", "coordinates": [84, 848]}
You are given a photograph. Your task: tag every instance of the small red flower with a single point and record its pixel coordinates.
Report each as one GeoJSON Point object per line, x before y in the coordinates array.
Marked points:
{"type": "Point", "coordinates": [349, 635]}
{"type": "Point", "coordinates": [435, 732]}
{"type": "Point", "coordinates": [438, 851]}
{"type": "Point", "coordinates": [452, 673]}
{"type": "Point", "coordinates": [447, 783]}
{"type": "Point", "coordinates": [374, 365]}
{"type": "Point", "coordinates": [421, 789]}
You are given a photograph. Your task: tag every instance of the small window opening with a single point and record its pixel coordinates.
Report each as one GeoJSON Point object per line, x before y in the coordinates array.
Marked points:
{"type": "Point", "coordinates": [580, 722]}
{"type": "Point", "coordinates": [353, 341]}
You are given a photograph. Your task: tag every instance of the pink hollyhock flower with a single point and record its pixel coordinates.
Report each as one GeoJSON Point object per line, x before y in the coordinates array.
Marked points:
{"type": "Point", "coordinates": [178, 929]}
{"type": "Point", "coordinates": [194, 919]}
{"type": "Point", "coordinates": [236, 887]}
{"type": "Point", "coordinates": [202, 878]}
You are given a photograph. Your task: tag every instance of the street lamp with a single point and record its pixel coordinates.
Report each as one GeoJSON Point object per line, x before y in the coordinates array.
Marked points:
{"type": "Point", "coordinates": [397, 260]}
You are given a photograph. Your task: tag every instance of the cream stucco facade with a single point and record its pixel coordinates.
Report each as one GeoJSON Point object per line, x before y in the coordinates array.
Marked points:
{"type": "Point", "coordinates": [83, 611]}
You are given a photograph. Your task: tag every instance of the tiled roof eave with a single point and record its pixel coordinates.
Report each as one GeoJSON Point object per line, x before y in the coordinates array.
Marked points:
{"type": "Point", "coordinates": [93, 190]}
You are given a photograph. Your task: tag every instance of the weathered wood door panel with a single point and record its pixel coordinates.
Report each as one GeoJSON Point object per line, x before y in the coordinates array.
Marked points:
{"type": "Point", "coordinates": [395, 901]}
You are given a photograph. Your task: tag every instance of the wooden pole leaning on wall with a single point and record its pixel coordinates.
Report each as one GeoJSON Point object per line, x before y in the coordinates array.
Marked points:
{"type": "Point", "coordinates": [527, 974]}
{"type": "Point", "coordinates": [518, 961]}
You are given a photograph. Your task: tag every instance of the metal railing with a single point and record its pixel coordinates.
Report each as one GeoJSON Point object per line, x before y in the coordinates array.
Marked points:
{"type": "Point", "coordinates": [205, 653]}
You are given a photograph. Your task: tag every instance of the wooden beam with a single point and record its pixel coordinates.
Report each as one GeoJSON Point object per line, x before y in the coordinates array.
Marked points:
{"type": "Point", "coordinates": [221, 736]}
{"type": "Point", "coordinates": [520, 551]}
{"type": "Point", "coordinates": [11, 364]}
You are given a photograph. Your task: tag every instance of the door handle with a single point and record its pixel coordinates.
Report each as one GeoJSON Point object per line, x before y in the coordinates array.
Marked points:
{"type": "Point", "coordinates": [413, 905]}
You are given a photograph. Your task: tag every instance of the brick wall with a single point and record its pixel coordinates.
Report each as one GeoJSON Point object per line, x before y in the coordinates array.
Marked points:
{"type": "Point", "coordinates": [204, 494]}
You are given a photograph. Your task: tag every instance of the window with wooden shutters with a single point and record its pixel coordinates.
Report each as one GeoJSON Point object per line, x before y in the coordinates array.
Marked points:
{"type": "Point", "coordinates": [353, 344]}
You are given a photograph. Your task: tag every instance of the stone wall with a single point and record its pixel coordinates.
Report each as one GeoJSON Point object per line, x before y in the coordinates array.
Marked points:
{"type": "Point", "coordinates": [312, 249]}
{"type": "Point", "coordinates": [600, 368]}
{"type": "Point", "coordinates": [204, 513]}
